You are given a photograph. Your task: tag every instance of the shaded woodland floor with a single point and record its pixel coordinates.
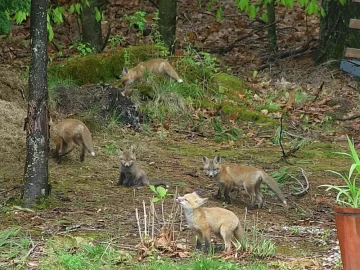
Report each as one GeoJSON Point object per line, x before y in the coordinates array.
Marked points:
{"type": "Point", "coordinates": [85, 200]}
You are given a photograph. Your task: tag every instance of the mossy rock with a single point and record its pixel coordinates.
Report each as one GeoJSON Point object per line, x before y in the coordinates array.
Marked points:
{"type": "Point", "coordinates": [229, 84]}
{"type": "Point", "coordinates": [233, 89]}
{"type": "Point", "coordinates": [244, 114]}
{"type": "Point", "coordinates": [103, 67]}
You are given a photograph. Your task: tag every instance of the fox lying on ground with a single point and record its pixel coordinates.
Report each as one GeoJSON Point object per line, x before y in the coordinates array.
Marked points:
{"type": "Point", "coordinates": [67, 134]}
{"type": "Point", "coordinates": [155, 66]}
{"type": "Point", "coordinates": [130, 172]}
{"type": "Point", "coordinates": [205, 220]}
{"type": "Point", "coordinates": [249, 177]}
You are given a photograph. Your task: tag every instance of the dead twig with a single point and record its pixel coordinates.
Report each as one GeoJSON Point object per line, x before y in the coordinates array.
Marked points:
{"type": "Point", "coordinates": [10, 189]}
{"type": "Point", "coordinates": [232, 45]}
{"type": "Point", "coordinates": [304, 189]}
{"type": "Point", "coordinates": [349, 118]}
{"type": "Point", "coordinates": [138, 223]}
{"type": "Point", "coordinates": [292, 151]}
{"type": "Point", "coordinates": [191, 133]}
{"type": "Point", "coordinates": [280, 137]}
{"type": "Point", "coordinates": [319, 91]}
{"type": "Point", "coordinates": [292, 53]}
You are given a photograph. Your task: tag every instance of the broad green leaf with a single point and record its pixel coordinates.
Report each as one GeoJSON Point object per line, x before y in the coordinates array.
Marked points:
{"type": "Point", "coordinates": [354, 154]}
{"type": "Point", "coordinates": [71, 9]}
{"type": "Point", "coordinates": [20, 16]}
{"type": "Point", "coordinates": [152, 187]}
{"type": "Point", "coordinates": [242, 4]}
{"type": "Point", "coordinates": [342, 2]}
{"type": "Point", "coordinates": [322, 12]}
{"type": "Point", "coordinates": [252, 11]}
{"type": "Point", "coordinates": [78, 8]}
{"type": "Point", "coordinates": [219, 14]}
{"type": "Point", "coordinates": [86, 2]}
{"type": "Point", "coordinates": [97, 15]}
{"type": "Point", "coordinates": [50, 31]}
{"type": "Point", "coordinates": [302, 2]}
{"type": "Point", "coordinates": [289, 3]}
{"type": "Point", "coordinates": [265, 17]}
{"type": "Point", "coordinates": [312, 8]}
{"type": "Point", "coordinates": [156, 199]}
{"type": "Point", "coordinates": [57, 16]}
{"type": "Point", "coordinates": [162, 191]}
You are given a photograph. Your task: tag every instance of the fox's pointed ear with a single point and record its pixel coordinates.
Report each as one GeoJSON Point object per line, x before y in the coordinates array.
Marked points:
{"type": "Point", "coordinates": [132, 148]}
{"type": "Point", "coordinates": [217, 159]}
{"type": "Point", "coordinates": [205, 160]}
{"type": "Point", "coordinates": [125, 71]}
{"type": "Point", "coordinates": [199, 191]}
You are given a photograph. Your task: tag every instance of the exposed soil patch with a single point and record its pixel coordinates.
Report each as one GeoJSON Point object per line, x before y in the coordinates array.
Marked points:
{"type": "Point", "coordinates": [86, 201]}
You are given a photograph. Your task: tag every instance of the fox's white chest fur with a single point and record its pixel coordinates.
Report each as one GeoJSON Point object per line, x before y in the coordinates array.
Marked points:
{"type": "Point", "coordinates": [189, 214]}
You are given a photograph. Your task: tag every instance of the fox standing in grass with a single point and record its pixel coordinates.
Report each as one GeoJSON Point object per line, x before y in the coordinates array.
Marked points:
{"type": "Point", "coordinates": [67, 134]}
{"type": "Point", "coordinates": [155, 66]}
{"type": "Point", "coordinates": [205, 220]}
{"type": "Point", "coordinates": [247, 176]}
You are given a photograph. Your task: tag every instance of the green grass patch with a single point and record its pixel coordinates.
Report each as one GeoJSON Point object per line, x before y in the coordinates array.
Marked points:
{"type": "Point", "coordinates": [14, 247]}
{"type": "Point", "coordinates": [75, 253]}
{"type": "Point", "coordinates": [198, 262]}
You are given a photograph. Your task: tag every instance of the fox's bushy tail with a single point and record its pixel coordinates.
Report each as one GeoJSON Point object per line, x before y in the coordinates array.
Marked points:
{"type": "Point", "coordinates": [86, 137]}
{"type": "Point", "coordinates": [267, 179]}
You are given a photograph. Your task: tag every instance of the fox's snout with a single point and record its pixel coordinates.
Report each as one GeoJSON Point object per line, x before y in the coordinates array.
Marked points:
{"type": "Point", "coordinates": [210, 174]}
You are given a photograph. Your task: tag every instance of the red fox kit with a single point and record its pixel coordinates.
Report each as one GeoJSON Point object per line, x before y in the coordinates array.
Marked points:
{"type": "Point", "coordinates": [249, 177]}
{"type": "Point", "coordinates": [155, 66]}
{"type": "Point", "coordinates": [130, 172]}
{"type": "Point", "coordinates": [67, 134]}
{"type": "Point", "coordinates": [205, 220]}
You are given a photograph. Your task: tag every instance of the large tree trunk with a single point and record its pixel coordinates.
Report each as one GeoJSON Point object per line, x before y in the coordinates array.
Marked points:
{"type": "Point", "coordinates": [91, 29]}
{"type": "Point", "coordinates": [167, 23]}
{"type": "Point", "coordinates": [37, 121]}
{"type": "Point", "coordinates": [335, 34]}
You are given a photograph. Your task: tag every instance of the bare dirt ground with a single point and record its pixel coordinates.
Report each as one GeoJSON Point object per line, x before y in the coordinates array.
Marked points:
{"type": "Point", "coordinates": [85, 199]}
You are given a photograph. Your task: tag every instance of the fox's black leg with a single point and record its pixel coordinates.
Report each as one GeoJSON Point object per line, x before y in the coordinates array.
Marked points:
{"type": "Point", "coordinates": [226, 195]}
{"type": "Point", "coordinates": [82, 153]}
{"type": "Point", "coordinates": [129, 181]}
{"type": "Point", "coordinates": [219, 192]}
{"type": "Point", "coordinates": [199, 240]}
{"type": "Point", "coordinates": [121, 179]}
{"type": "Point", "coordinates": [207, 245]}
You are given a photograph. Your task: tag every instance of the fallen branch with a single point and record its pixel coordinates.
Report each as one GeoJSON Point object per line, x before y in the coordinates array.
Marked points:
{"type": "Point", "coordinates": [292, 151]}
{"type": "Point", "coordinates": [10, 189]}
{"type": "Point", "coordinates": [232, 45]}
{"type": "Point", "coordinates": [292, 53]}
{"type": "Point", "coordinates": [349, 118]}
{"type": "Point", "coordinates": [319, 91]}
{"type": "Point", "coordinates": [191, 133]}
{"type": "Point", "coordinates": [280, 138]}
{"type": "Point", "coordinates": [305, 188]}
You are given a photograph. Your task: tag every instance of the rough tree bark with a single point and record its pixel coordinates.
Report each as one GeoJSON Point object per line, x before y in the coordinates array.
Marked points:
{"type": "Point", "coordinates": [335, 34]}
{"type": "Point", "coordinates": [37, 120]}
{"type": "Point", "coordinates": [91, 29]}
{"type": "Point", "coordinates": [167, 23]}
